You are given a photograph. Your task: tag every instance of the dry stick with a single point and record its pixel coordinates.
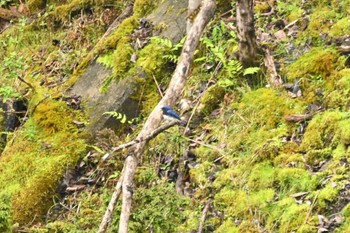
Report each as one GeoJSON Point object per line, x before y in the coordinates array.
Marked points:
{"type": "Point", "coordinates": [311, 207]}
{"type": "Point", "coordinates": [118, 188]}
{"type": "Point", "coordinates": [207, 145]}
{"type": "Point", "coordinates": [204, 215]}
{"type": "Point", "coordinates": [274, 79]}
{"type": "Point", "coordinates": [153, 134]}
{"type": "Point", "coordinates": [171, 96]}
{"type": "Point", "coordinates": [27, 83]}
{"type": "Point", "coordinates": [158, 87]}
{"type": "Point", "coordinates": [107, 218]}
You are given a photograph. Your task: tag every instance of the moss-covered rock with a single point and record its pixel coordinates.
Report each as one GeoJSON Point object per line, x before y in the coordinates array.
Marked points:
{"type": "Point", "coordinates": [328, 129]}
{"type": "Point", "coordinates": [317, 62]}
{"type": "Point", "coordinates": [339, 94]}
{"type": "Point", "coordinates": [211, 98]}
{"type": "Point", "coordinates": [36, 5]}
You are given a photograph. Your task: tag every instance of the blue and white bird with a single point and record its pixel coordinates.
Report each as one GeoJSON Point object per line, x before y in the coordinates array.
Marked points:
{"type": "Point", "coordinates": [171, 115]}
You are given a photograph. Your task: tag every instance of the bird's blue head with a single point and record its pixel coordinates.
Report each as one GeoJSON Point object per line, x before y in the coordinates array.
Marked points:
{"type": "Point", "coordinates": [166, 108]}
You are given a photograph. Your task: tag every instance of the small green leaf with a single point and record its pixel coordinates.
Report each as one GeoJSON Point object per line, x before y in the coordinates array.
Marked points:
{"type": "Point", "coordinates": [251, 70]}
{"type": "Point", "coordinates": [123, 120]}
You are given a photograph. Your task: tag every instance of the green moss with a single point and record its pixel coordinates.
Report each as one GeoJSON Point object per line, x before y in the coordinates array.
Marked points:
{"type": "Point", "coordinates": [340, 28]}
{"type": "Point", "coordinates": [33, 165]}
{"type": "Point", "coordinates": [296, 14]}
{"type": "Point", "coordinates": [199, 175]}
{"type": "Point", "coordinates": [121, 57]}
{"type": "Point", "coordinates": [292, 180]}
{"type": "Point", "coordinates": [339, 94]}
{"type": "Point", "coordinates": [143, 7]}
{"type": "Point", "coordinates": [151, 58]}
{"type": "Point", "coordinates": [327, 130]}
{"type": "Point", "coordinates": [258, 104]}
{"type": "Point", "coordinates": [326, 196]}
{"type": "Point", "coordinates": [154, 206]}
{"type": "Point", "coordinates": [262, 176]}
{"type": "Point", "coordinates": [262, 7]}
{"type": "Point", "coordinates": [286, 215]}
{"type": "Point", "coordinates": [283, 159]}
{"type": "Point", "coordinates": [248, 226]}
{"type": "Point", "coordinates": [229, 177]}
{"type": "Point", "coordinates": [346, 211]}
{"type": "Point", "coordinates": [125, 29]}
{"type": "Point", "coordinates": [314, 157]}
{"type": "Point", "coordinates": [207, 154]}
{"type": "Point", "coordinates": [228, 226]}
{"type": "Point", "coordinates": [321, 20]}
{"type": "Point", "coordinates": [239, 203]}
{"type": "Point", "coordinates": [64, 11]}
{"type": "Point", "coordinates": [269, 150]}
{"type": "Point", "coordinates": [211, 99]}
{"type": "Point", "coordinates": [305, 228]}
{"type": "Point", "coordinates": [109, 43]}
{"type": "Point", "coordinates": [53, 116]}
{"type": "Point", "coordinates": [317, 62]}
{"type": "Point", "coordinates": [36, 5]}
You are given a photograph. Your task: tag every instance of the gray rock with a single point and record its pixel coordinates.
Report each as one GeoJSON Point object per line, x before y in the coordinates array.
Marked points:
{"type": "Point", "coordinates": [170, 16]}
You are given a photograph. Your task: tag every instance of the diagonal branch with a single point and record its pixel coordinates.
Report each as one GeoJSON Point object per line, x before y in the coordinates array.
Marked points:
{"type": "Point", "coordinates": [107, 218]}
{"type": "Point", "coordinates": [148, 137]}
{"type": "Point", "coordinates": [171, 96]}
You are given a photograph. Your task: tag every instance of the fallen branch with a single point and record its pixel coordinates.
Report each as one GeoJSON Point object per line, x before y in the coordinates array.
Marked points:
{"type": "Point", "coordinates": [27, 83]}
{"type": "Point", "coordinates": [171, 96]}
{"type": "Point", "coordinates": [118, 188]}
{"type": "Point", "coordinates": [204, 216]}
{"type": "Point", "coordinates": [301, 117]}
{"type": "Point", "coordinates": [107, 218]}
{"type": "Point", "coordinates": [150, 136]}
{"type": "Point", "coordinates": [298, 117]}
{"type": "Point", "coordinates": [274, 79]}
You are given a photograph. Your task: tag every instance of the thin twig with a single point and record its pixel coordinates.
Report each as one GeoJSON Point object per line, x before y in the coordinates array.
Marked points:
{"type": "Point", "coordinates": [24, 81]}
{"type": "Point", "coordinates": [158, 87]}
{"type": "Point", "coordinates": [107, 218]}
{"type": "Point", "coordinates": [207, 145]}
{"type": "Point", "coordinates": [311, 207]}
{"type": "Point", "coordinates": [204, 216]}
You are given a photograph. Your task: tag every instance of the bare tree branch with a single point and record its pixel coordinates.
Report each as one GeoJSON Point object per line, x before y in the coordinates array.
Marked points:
{"type": "Point", "coordinates": [204, 216]}
{"type": "Point", "coordinates": [27, 83]}
{"type": "Point", "coordinates": [148, 137]}
{"type": "Point", "coordinates": [107, 218]}
{"type": "Point", "coordinates": [274, 79]}
{"type": "Point", "coordinates": [172, 94]}
{"type": "Point", "coordinates": [118, 188]}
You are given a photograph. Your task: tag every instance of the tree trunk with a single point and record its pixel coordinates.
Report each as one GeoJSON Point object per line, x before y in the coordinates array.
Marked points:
{"type": "Point", "coordinates": [248, 49]}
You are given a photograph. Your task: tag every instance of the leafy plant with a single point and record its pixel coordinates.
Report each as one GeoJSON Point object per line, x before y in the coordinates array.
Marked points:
{"type": "Point", "coordinates": [8, 92]}
{"type": "Point", "coordinates": [174, 50]}
{"type": "Point", "coordinates": [120, 116]}
{"type": "Point", "coordinates": [251, 70]}
{"type": "Point", "coordinates": [4, 2]}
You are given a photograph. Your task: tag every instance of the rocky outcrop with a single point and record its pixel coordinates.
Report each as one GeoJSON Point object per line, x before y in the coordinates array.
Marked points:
{"type": "Point", "coordinates": [170, 16]}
